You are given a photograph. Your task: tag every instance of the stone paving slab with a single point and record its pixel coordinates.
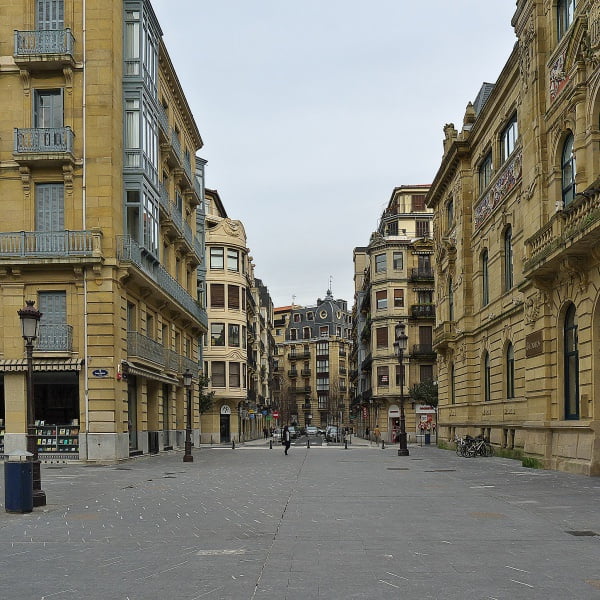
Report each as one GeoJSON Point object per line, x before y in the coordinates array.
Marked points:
{"type": "Point", "coordinates": [321, 523]}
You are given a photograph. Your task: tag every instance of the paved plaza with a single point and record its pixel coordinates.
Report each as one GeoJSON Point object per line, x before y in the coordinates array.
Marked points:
{"type": "Point", "coordinates": [322, 523]}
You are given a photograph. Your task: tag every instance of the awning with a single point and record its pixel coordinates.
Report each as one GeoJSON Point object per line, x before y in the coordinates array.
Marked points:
{"type": "Point", "coordinates": [14, 365]}
{"type": "Point", "coordinates": [132, 369]}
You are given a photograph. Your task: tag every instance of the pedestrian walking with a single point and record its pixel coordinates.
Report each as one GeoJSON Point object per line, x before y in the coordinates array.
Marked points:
{"type": "Point", "coordinates": [377, 433]}
{"type": "Point", "coordinates": [367, 433]}
{"type": "Point", "coordinates": [265, 432]}
{"type": "Point", "coordinates": [286, 440]}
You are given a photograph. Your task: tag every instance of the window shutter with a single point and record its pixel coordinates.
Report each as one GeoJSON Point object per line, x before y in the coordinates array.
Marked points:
{"type": "Point", "coordinates": [233, 293]}
{"type": "Point", "coordinates": [418, 203]}
{"type": "Point", "coordinates": [398, 298]}
{"type": "Point", "coordinates": [50, 14]}
{"type": "Point", "coordinates": [382, 337]}
{"type": "Point", "coordinates": [217, 295]}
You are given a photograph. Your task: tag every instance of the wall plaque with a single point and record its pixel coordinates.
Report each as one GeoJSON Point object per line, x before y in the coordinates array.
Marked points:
{"type": "Point", "coordinates": [534, 344]}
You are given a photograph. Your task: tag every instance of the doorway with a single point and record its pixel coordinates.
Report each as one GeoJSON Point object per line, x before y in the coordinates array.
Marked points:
{"type": "Point", "coordinates": [225, 429]}
{"type": "Point", "coordinates": [132, 411]}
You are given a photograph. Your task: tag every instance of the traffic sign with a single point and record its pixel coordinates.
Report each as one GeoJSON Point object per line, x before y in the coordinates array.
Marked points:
{"type": "Point", "coordinates": [276, 414]}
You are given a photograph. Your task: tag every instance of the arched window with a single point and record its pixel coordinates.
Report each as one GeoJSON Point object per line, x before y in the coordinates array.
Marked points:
{"type": "Point", "coordinates": [508, 260]}
{"type": "Point", "coordinates": [487, 378]}
{"type": "Point", "coordinates": [485, 282]}
{"type": "Point", "coordinates": [450, 300]}
{"type": "Point", "coordinates": [568, 171]}
{"type": "Point", "coordinates": [510, 371]}
{"type": "Point", "coordinates": [571, 365]}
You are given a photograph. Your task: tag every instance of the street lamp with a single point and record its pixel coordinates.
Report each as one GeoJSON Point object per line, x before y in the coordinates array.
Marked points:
{"type": "Point", "coordinates": [187, 383]}
{"type": "Point", "coordinates": [399, 348]}
{"type": "Point", "coordinates": [30, 326]}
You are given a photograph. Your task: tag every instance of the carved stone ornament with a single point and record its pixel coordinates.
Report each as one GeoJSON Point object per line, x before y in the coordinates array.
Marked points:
{"type": "Point", "coordinates": [460, 352]}
{"type": "Point", "coordinates": [574, 268]}
{"type": "Point", "coordinates": [526, 53]}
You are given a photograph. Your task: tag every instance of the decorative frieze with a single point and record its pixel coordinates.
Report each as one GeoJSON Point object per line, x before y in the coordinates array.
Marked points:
{"type": "Point", "coordinates": [505, 183]}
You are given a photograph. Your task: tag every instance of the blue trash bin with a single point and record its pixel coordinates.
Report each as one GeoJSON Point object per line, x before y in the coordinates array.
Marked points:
{"type": "Point", "coordinates": [18, 486]}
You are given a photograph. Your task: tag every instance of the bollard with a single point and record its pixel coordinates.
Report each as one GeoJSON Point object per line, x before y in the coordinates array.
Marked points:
{"type": "Point", "coordinates": [345, 444]}
{"type": "Point", "coordinates": [233, 444]}
{"type": "Point", "coordinates": [270, 444]}
{"type": "Point", "coordinates": [308, 443]}
{"type": "Point", "coordinates": [383, 444]}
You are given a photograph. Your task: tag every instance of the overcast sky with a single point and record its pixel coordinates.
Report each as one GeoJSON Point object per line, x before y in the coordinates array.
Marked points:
{"type": "Point", "coordinates": [312, 111]}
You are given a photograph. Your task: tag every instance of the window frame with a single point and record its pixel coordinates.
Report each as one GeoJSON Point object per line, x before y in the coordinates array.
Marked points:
{"type": "Point", "coordinates": [568, 171]}
{"type": "Point", "coordinates": [484, 172]}
{"type": "Point", "coordinates": [565, 15]}
{"type": "Point", "coordinates": [508, 260]}
{"type": "Point", "coordinates": [485, 278]}
{"type": "Point", "coordinates": [381, 263]}
{"type": "Point", "coordinates": [508, 138]}
{"type": "Point", "coordinates": [510, 371]}
{"type": "Point", "coordinates": [487, 378]}
{"type": "Point", "coordinates": [571, 365]}
{"type": "Point", "coordinates": [216, 256]}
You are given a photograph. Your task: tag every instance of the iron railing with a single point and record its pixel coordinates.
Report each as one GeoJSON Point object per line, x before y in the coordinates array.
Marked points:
{"type": "Point", "coordinates": [145, 347]}
{"type": "Point", "coordinates": [50, 243]}
{"type": "Point", "coordinates": [55, 338]}
{"type": "Point", "coordinates": [44, 140]}
{"type": "Point", "coordinates": [44, 41]}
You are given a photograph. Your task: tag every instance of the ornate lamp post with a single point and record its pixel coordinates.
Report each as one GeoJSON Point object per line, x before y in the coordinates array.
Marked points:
{"type": "Point", "coordinates": [399, 347]}
{"type": "Point", "coordinates": [187, 383]}
{"type": "Point", "coordinates": [30, 325]}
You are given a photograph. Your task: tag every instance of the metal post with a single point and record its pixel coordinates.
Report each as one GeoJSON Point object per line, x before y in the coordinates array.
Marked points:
{"type": "Point", "coordinates": [187, 382]}
{"type": "Point", "coordinates": [399, 346]}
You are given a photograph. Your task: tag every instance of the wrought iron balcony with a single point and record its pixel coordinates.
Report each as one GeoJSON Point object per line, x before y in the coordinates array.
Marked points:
{"type": "Point", "coordinates": [163, 122]}
{"type": "Point", "coordinates": [343, 370]}
{"type": "Point", "coordinates": [44, 49]}
{"type": "Point", "coordinates": [50, 244]}
{"type": "Point", "coordinates": [292, 373]}
{"type": "Point", "coordinates": [141, 346]}
{"type": "Point", "coordinates": [422, 311]}
{"type": "Point", "coordinates": [49, 144]}
{"type": "Point", "coordinates": [421, 275]}
{"type": "Point", "coordinates": [55, 338]}
{"type": "Point", "coordinates": [305, 372]}
{"type": "Point", "coordinates": [422, 350]}
{"type": "Point", "coordinates": [129, 250]}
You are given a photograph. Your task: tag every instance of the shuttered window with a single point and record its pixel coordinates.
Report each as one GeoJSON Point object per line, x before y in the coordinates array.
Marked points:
{"type": "Point", "coordinates": [381, 298]}
{"type": "Point", "coordinates": [49, 207]}
{"type": "Point", "coordinates": [233, 296]}
{"type": "Point", "coordinates": [50, 14]}
{"type": "Point", "coordinates": [418, 203]}
{"type": "Point", "coordinates": [217, 368]}
{"type": "Point", "coordinates": [48, 109]}
{"type": "Point", "coordinates": [217, 295]}
{"type": "Point", "coordinates": [234, 375]}
{"type": "Point", "coordinates": [398, 298]}
{"type": "Point", "coordinates": [53, 306]}
{"type": "Point", "coordinates": [381, 334]}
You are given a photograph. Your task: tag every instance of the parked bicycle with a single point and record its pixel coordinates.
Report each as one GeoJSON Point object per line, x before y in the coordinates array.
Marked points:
{"type": "Point", "coordinates": [469, 447]}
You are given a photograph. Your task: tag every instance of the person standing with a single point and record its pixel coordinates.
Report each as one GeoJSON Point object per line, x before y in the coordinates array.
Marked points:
{"type": "Point", "coordinates": [286, 439]}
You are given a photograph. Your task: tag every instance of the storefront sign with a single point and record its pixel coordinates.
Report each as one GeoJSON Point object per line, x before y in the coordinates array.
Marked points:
{"type": "Point", "coordinates": [100, 373]}
{"type": "Point", "coordinates": [393, 411]}
{"type": "Point", "coordinates": [424, 409]}
{"type": "Point", "coordinates": [534, 344]}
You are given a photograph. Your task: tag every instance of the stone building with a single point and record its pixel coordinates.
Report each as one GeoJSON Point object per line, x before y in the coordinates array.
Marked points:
{"type": "Point", "coordinates": [516, 234]}
{"type": "Point", "coordinates": [240, 315]}
{"type": "Point", "coordinates": [99, 186]}
{"type": "Point", "coordinates": [310, 367]}
{"type": "Point", "coordinates": [393, 278]}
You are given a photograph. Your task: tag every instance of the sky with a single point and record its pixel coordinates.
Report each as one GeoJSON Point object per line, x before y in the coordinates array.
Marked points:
{"type": "Point", "coordinates": [313, 111]}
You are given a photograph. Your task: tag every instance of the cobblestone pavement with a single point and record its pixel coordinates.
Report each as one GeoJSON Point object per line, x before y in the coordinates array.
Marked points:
{"type": "Point", "coordinates": [321, 523]}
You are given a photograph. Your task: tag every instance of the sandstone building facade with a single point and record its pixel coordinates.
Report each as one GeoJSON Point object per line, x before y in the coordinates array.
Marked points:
{"type": "Point", "coordinates": [516, 233]}
{"type": "Point", "coordinates": [99, 188]}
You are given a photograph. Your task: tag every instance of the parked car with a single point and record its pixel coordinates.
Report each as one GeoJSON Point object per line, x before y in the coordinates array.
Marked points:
{"type": "Point", "coordinates": [294, 433]}
{"type": "Point", "coordinates": [311, 430]}
{"type": "Point", "coordinates": [276, 434]}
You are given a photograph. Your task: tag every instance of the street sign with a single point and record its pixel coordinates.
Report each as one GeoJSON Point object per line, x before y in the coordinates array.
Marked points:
{"type": "Point", "coordinates": [99, 372]}
{"type": "Point", "coordinates": [276, 414]}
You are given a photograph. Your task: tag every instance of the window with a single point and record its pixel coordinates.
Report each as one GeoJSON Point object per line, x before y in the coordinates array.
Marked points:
{"type": "Point", "coordinates": [310, 316]}
{"type": "Point", "coordinates": [217, 295]}
{"type": "Point", "coordinates": [293, 334]}
{"type": "Point", "coordinates": [425, 297]}
{"type": "Point", "coordinates": [216, 258]}
{"type": "Point", "coordinates": [485, 282]}
{"type": "Point", "coordinates": [217, 373]}
{"type": "Point", "coordinates": [485, 173]}
{"type": "Point", "coordinates": [322, 401]}
{"type": "Point", "coordinates": [50, 14]}
{"type": "Point", "coordinates": [380, 263]}
{"type": "Point", "coordinates": [398, 261]}
{"type": "Point", "coordinates": [565, 10]}
{"type": "Point", "coordinates": [508, 139]}
{"type": "Point", "coordinates": [322, 348]}
{"type": "Point", "coordinates": [568, 172]}
{"type": "Point", "coordinates": [297, 318]}
{"type": "Point", "coordinates": [450, 214]}
{"type": "Point", "coordinates": [508, 260]}
{"type": "Point", "coordinates": [381, 337]}
{"type": "Point", "coordinates": [510, 371]}
{"type": "Point", "coordinates": [450, 300]}
{"type": "Point", "coordinates": [571, 364]}
{"type": "Point", "coordinates": [49, 210]}
{"type": "Point", "coordinates": [400, 375]}
{"type": "Point", "coordinates": [425, 372]}
{"type": "Point", "coordinates": [48, 111]}
{"type": "Point", "coordinates": [233, 260]}
{"type": "Point", "coordinates": [418, 203]}
{"type": "Point", "coordinates": [54, 334]}
{"type": "Point", "coordinates": [452, 385]}
{"type": "Point", "coordinates": [422, 228]}
{"type": "Point", "coordinates": [234, 374]}
{"type": "Point", "coordinates": [322, 384]}
{"type": "Point", "coordinates": [323, 366]}
{"type": "Point", "coordinates": [217, 334]}
{"type": "Point", "coordinates": [381, 298]}
{"type": "Point", "coordinates": [306, 333]}
{"type": "Point", "coordinates": [383, 376]}
{"type": "Point", "coordinates": [233, 337]}
{"type": "Point", "coordinates": [244, 375]}
{"type": "Point", "coordinates": [233, 297]}
{"type": "Point", "coordinates": [324, 330]}
{"type": "Point", "coordinates": [398, 298]}
{"type": "Point", "coordinates": [487, 378]}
